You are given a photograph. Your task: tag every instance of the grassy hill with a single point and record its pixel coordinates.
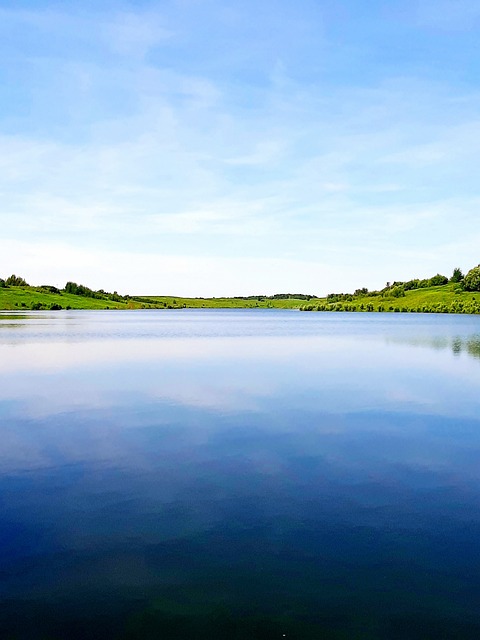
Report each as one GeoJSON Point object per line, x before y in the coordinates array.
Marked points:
{"type": "Point", "coordinates": [17, 298]}
{"type": "Point", "coordinates": [440, 299]}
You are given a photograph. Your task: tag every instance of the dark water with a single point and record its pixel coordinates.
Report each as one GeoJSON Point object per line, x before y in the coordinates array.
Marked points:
{"type": "Point", "coordinates": [239, 474]}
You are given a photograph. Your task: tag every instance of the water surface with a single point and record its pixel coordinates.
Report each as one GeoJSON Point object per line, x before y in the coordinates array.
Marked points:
{"type": "Point", "coordinates": [239, 474]}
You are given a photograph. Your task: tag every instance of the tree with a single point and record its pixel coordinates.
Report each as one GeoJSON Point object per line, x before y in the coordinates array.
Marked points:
{"type": "Point", "coordinates": [471, 281]}
{"type": "Point", "coordinates": [71, 287]}
{"type": "Point", "coordinates": [457, 275]}
{"type": "Point", "coordinates": [15, 281]}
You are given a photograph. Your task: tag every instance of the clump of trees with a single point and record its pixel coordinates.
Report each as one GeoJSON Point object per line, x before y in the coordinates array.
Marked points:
{"type": "Point", "coordinates": [471, 282]}
{"type": "Point", "coordinates": [437, 280]}
{"type": "Point", "coordinates": [14, 281]}
{"type": "Point", "coordinates": [81, 290]}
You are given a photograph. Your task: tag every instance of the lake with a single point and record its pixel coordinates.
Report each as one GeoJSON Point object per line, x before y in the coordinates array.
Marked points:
{"type": "Point", "coordinates": [252, 474]}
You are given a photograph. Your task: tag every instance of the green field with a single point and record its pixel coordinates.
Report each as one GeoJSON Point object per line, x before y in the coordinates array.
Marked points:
{"type": "Point", "coordinates": [440, 299]}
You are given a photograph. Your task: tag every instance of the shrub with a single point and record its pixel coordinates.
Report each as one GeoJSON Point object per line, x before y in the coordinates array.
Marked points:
{"type": "Point", "coordinates": [438, 280]}
{"type": "Point", "coordinates": [397, 292]}
{"type": "Point", "coordinates": [50, 288]}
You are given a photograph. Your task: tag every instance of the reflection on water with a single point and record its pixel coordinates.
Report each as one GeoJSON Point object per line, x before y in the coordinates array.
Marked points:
{"type": "Point", "coordinates": [236, 474]}
{"type": "Point", "coordinates": [469, 345]}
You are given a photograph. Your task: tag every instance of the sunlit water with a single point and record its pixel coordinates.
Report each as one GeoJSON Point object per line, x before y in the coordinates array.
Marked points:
{"type": "Point", "coordinates": [239, 474]}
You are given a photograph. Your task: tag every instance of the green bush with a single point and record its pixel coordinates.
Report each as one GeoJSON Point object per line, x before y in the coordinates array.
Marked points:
{"type": "Point", "coordinates": [397, 292]}
{"type": "Point", "coordinates": [471, 282]}
{"type": "Point", "coordinates": [438, 280]}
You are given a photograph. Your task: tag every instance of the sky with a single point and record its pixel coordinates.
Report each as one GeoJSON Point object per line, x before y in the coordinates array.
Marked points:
{"type": "Point", "coordinates": [210, 147]}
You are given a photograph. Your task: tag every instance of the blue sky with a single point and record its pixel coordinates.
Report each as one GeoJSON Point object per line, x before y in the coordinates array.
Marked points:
{"type": "Point", "coordinates": [213, 148]}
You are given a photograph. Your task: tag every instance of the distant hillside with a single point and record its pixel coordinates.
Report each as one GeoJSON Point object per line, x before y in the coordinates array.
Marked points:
{"type": "Point", "coordinates": [17, 294]}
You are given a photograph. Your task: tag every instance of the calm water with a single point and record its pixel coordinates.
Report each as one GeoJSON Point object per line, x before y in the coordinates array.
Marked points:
{"type": "Point", "coordinates": [239, 474]}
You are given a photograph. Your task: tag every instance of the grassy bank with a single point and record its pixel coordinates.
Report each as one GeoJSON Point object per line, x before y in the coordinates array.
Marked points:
{"type": "Point", "coordinates": [441, 299]}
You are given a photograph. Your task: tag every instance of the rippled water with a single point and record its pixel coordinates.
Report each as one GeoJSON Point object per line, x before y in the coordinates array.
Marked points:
{"type": "Point", "coordinates": [239, 474]}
